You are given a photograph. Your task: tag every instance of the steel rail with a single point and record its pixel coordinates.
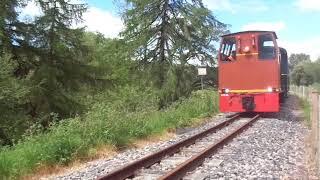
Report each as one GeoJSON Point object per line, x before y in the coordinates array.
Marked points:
{"type": "Point", "coordinates": [147, 161]}
{"type": "Point", "coordinates": [198, 159]}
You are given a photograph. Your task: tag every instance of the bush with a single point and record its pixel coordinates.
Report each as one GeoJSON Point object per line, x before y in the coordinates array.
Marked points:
{"type": "Point", "coordinates": [103, 124]}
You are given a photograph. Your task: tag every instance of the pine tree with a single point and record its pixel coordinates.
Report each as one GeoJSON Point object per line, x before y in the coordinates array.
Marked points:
{"type": "Point", "coordinates": [8, 16]}
{"type": "Point", "coordinates": [61, 65]}
{"type": "Point", "coordinates": [12, 35]}
{"type": "Point", "coordinates": [44, 61]}
{"type": "Point", "coordinates": [165, 34]}
{"type": "Point", "coordinates": [14, 87]}
{"type": "Point", "coordinates": [13, 98]}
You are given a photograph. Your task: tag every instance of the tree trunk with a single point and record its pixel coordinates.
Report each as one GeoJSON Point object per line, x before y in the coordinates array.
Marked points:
{"type": "Point", "coordinates": [163, 41]}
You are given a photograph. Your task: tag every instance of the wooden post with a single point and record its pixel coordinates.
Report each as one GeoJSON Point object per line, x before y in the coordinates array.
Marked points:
{"type": "Point", "coordinates": [315, 126]}
{"type": "Point", "coordinates": [318, 134]}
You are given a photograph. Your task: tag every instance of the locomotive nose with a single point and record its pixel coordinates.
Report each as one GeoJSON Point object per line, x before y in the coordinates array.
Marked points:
{"type": "Point", "coordinates": [248, 103]}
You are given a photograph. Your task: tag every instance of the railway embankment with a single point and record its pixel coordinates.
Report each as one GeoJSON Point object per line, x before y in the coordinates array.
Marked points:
{"type": "Point", "coordinates": [275, 146]}
{"type": "Point", "coordinates": [81, 138]}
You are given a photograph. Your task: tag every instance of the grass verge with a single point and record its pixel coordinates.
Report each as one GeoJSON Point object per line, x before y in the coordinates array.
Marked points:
{"type": "Point", "coordinates": [305, 105]}
{"type": "Point", "coordinates": [75, 138]}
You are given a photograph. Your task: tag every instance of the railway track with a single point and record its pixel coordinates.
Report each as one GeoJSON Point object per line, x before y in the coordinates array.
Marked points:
{"type": "Point", "coordinates": [175, 161]}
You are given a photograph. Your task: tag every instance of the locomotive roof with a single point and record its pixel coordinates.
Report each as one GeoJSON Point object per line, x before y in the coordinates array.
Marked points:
{"type": "Point", "coordinates": [241, 32]}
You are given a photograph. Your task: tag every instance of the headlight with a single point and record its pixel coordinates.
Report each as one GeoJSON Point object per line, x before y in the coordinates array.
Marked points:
{"type": "Point", "coordinates": [269, 89]}
{"type": "Point", "coordinates": [225, 91]}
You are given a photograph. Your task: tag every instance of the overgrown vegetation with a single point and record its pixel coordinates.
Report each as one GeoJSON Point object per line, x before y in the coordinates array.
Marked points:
{"type": "Point", "coordinates": [304, 72]}
{"type": "Point", "coordinates": [165, 36]}
{"type": "Point", "coordinates": [64, 90]}
{"type": "Point", "coordinates": [306, 111]}
{"type": "Point", "coordinates": [316, 86]}
{"type": "Point", "coordinates": [51, 71]}
{"type": "Point", "coordinates": [103, 124]}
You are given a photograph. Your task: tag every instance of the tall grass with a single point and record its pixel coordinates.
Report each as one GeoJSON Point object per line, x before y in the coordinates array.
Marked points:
{"type": "Point", "coordinates": [306, 107]}
{"type": "Point", "coordinates": [74, 138]}
{"type": "Point", "coordinates": [316, 86]}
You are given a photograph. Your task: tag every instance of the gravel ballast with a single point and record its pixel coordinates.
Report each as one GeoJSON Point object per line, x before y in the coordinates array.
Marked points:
{"type": "Point", "coordinates": [271, 148]}
{"type": "Point", "coordinates": [274, 147]}
{"type": "Point", "coordinates": [100, 167]}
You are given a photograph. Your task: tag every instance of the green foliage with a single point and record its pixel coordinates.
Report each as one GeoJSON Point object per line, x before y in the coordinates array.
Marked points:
{"type": "Point", "coordinates": [209, 81]}
{"type": "Point", "coordinates": [318, 60]}
{"type": "Point", "coordinates": [110, 58]}
{"type": "Point", "coordinates": [60, 64]}
{"type": "Point", "coordinates": [14, 91]}
{"type": "Point", "coordinates": [306, 111]}
{"type": "Point", "coordinates": [179, 83]}
{"type": "Point", "coordinates": [13, 97]}
{"type": "Point", "coordinates": [48, 65]}
{"type": "Point", "coordinates": [316, 86]}
{"type": "Point", "coordinates": [42, 63]}
{"type": "Point", "coordinates": [64, 90]}
{"type": "Point", "coordinates": [313, 69]}
{"type": "Point", "coordinates": [165, 36]}
{"type": "Point", "coordinates": [306, 73]}
{"type": "Point", "coordinates": [300, 77]}
{"type": "Point", "coordinates": [103, 124]}
{"type": "Point", "coordinates": [53, 71]}
{"type": "Point", "coordinates": [164, 31]}
{"type": "Point", "coordinates": [296, 59]}
{"type": "Point", "coordinates": [8, 21]}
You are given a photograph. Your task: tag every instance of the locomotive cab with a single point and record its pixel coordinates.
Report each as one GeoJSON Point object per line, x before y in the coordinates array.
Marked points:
{"type": "Point", "coordinates": [250, 76]}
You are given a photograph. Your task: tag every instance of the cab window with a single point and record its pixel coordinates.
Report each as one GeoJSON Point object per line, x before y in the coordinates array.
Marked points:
{"type": "Point", "coordinates": [266, 47]}
{"type": "Point", "coordinates": [228, 50]}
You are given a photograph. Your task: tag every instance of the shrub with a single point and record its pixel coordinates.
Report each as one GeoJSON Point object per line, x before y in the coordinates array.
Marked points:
{"type": "Point", "coordinates": [103, 124]}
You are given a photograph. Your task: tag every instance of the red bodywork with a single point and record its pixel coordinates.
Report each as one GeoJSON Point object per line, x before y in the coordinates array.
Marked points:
{"type": "Point", "coordinates": [248, 82]}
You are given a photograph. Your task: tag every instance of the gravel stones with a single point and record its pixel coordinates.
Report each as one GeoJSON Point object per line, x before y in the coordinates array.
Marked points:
{"type": "Point", "coordinates": [271, 148]}
{"type": "Point", "coordinates": [100, 167]}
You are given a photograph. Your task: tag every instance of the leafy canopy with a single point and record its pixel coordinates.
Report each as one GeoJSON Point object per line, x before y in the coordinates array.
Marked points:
{"type": "Point", "coordinates": [296, 59]}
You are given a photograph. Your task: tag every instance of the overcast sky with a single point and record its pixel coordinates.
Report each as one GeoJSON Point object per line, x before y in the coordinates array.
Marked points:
{"type": "Point", "coordinates": [297, 22]}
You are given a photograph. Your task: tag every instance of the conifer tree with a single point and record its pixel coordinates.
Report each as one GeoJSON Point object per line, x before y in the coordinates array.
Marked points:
{"type": "Point", "coordinates": [8, 16]}
{"type": "Point", "coordinates": [61, 64]}
{"type": "Point", "coordinates": [166, 34]}
{"type": "Point", "coordinates": [14, 87]}
{"type": "Point", "coordinates": [13, 98]}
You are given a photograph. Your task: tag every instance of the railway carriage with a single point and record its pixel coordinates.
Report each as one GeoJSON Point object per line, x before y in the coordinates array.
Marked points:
{"type": "Point", "coordinates": [253, 72]}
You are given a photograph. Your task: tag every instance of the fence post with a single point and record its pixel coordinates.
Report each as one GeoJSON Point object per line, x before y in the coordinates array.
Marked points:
{"type": "Point", "coordinates": [318, 133]}
{"type": "Point", "coordinates": [315, 124]}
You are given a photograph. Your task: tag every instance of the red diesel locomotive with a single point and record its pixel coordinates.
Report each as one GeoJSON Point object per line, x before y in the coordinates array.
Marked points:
{"type": "Point", "coordinates": [253, 72]}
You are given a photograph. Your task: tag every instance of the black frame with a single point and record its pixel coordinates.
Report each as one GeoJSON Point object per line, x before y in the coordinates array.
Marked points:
{"type": "Point", "coordinates": [228, 42]}
{"type": "Point", "coordinates": [266, 52]}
